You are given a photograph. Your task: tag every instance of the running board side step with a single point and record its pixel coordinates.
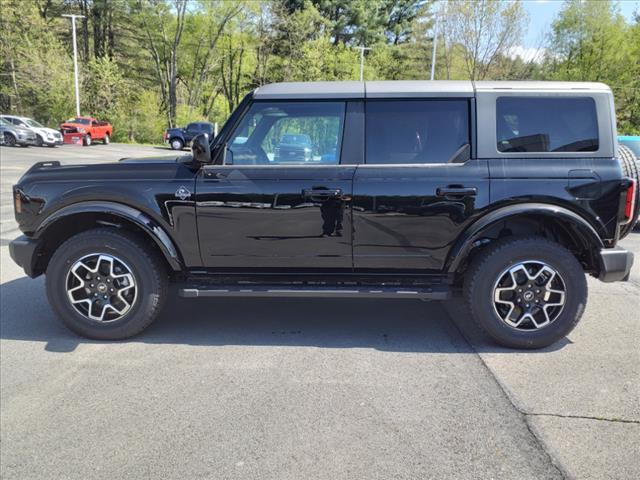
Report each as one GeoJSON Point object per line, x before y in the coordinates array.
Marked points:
{"type": "Point", "coordinates": [439, 292]}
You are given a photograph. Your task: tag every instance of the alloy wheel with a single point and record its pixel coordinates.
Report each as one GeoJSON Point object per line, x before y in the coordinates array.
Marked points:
{"type": "Point", "coordinates": [529, 295]}
{"type": "Point", "coordinates": [101, 287]}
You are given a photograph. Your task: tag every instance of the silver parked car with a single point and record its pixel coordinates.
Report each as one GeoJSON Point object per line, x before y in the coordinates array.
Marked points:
{"type": "Point", "coordinates": [44, 135]}
{"type": "Point", "coordinates": [14, 135]}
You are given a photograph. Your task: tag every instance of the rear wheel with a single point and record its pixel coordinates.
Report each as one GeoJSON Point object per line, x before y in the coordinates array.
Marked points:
{"type": "Point", "coordinates": [526, 292]}
{"type": "Point", "coordinates": [39, 141]}
{"type": "Point", "coordinates": [105, 284]}
{"type": "Point", "coordinates": [106, 139]}
{"type": "Point", "coordinates": [176, 144]}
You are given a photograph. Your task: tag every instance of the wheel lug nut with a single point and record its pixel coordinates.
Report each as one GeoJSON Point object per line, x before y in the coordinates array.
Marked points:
{"type": "Point", "coordinates": [92, 285]}
{"type": "Point", "coordinates": [111, 290]}
{"type": "Point", "coordinates": [97, 278]}
{"type": "Point", "coordinates": [95, 294]}
{"type": "Point", "coordinates": [528, 305]}
{"type": "Point", "coordinates": [105, 297]}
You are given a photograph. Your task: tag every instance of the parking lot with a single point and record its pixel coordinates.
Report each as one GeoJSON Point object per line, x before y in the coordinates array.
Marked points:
{"type": "Point", "coordinates": [314, 388]}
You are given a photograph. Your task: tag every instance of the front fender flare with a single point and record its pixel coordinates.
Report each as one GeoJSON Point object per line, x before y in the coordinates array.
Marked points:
{"type": "Point", "coordinates": [146, 223]}
{"type": "Point", "coordinates": [465, 242]}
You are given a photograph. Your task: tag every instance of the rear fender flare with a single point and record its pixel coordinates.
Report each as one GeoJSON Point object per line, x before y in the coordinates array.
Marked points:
{"type": "Point", "coordinates": [475, 231]}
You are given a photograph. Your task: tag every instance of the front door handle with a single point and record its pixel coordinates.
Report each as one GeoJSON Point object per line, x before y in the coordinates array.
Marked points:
{"type": "Point", "coordinates": [456, 191]}
{"type": "Point", "coordinates": [322, 193]}
{"type": "Point", "coordinates": [214, 175]}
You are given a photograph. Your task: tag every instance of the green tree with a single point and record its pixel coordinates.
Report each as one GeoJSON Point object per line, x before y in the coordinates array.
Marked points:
{"type": "Point", "coordinates": [591, 41]}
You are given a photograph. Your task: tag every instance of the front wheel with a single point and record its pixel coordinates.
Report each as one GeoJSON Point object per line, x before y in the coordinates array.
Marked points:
{"type": "Point", "coordinates": [105, 284]}
{"type": "Point", "coordinates": [10, 140]}
{"type": "Point", "coordinates": [526, 292]}
{"type": "Point", "coordinates": [39, 141]}
{"type": "Point", "coordinates": [86, 140]}
{"type": "Point", "coordinates": [177, 144]}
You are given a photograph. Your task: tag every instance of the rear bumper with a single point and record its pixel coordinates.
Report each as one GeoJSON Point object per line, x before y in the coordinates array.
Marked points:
{"type": "Point", "coordinates": [23, 252]}
{"type": "Point", "coordinates": [615, 264]}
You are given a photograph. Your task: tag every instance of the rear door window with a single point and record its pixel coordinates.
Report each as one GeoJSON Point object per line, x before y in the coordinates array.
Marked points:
{"type": "Point", "coordinates": [552, 124]}
{"type": "Point", "coordinates": [416, 131]}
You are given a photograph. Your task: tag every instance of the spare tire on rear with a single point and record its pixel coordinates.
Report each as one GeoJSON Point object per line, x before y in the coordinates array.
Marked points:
{"type": "Point", "coordinates": [630, 169]}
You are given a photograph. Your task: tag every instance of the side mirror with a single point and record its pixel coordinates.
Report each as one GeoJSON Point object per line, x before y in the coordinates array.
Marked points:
{"type": "Point", "coordinates": [200, 148]}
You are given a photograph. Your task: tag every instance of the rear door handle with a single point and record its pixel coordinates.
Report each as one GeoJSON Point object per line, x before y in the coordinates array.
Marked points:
{"type": "Point", "coordinates": [458, 192]}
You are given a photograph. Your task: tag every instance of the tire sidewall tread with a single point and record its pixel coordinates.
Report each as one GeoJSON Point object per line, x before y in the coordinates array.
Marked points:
{"type": "Point", "coordinates": [150, 275]}
{"type": "Point", "coordinates": [483, 273]}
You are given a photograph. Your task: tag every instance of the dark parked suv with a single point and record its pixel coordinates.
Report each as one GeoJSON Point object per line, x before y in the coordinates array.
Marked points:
{"type": "Point", "coordinates": [506, 191]}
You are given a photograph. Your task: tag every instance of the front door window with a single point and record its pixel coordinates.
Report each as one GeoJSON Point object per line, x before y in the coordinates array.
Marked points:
{"type": "Point", "coordinates": [288, 133]}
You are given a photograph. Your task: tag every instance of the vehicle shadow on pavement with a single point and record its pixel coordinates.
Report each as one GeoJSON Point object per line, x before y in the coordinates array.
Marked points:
{"type": "Point", "coordinates": [386, 325]}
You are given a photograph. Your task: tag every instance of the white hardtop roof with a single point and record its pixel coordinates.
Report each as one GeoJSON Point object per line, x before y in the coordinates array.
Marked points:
{"type": "Point", "coordinates": [409, 88]}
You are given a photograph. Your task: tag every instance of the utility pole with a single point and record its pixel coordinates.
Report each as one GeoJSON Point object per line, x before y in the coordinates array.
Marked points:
{"type": "Point", "coordinates": [433, 53]}
{"type": "Point", "coordinates": [75, 59]}
{"type": "Point", "coordinates": [362, 49]}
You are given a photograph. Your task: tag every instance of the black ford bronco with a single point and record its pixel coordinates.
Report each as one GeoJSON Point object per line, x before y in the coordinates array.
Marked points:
{"type": "Point", "coordinates": [506, 191]}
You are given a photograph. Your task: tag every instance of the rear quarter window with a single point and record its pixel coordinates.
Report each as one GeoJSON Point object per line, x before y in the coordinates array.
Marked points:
{"type": "Point", "coordinates": [551, 124]}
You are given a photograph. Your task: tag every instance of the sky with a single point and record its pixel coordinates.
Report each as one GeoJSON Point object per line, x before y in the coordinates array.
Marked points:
{"type": "Point", "coordinates": [542, 13]}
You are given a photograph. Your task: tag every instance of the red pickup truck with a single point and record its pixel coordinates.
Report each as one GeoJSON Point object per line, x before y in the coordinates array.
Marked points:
{"type": "Point", "coordinates": [85, 130]}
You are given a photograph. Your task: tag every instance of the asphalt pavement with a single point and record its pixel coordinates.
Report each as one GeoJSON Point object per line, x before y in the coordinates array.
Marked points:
{"type": "Point", "coordinates": [313, 389]}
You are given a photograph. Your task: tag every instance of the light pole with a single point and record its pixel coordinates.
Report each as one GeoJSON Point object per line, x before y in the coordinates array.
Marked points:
{"type": "Point", "coordinates": [433, 53]}
{"type": "Point", "coordinates": [362, 49]}
{"type": "Point", "coordinates": [75, 59]}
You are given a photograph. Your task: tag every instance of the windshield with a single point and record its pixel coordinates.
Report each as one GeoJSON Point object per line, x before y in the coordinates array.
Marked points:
{"type": "Point", "coordinates": [84, 121]}
{"type": "Point", "coordinates": [33, 123]}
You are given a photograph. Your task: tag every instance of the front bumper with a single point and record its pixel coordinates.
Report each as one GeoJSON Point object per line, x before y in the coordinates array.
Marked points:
{"type": "Point", "coordinates": [615, 264]}
{"type": "Point", "coordinates": [23, 251]}
{"type": "Point", "coordinates": [53, 141]}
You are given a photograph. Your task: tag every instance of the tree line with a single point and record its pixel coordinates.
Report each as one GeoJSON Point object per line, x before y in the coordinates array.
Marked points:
{"type": "Point", "coordinates": [148, 64]}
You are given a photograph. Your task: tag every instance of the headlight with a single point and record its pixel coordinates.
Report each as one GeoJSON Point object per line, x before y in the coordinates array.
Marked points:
{"type": "Point", "coordinates": [82, 130]}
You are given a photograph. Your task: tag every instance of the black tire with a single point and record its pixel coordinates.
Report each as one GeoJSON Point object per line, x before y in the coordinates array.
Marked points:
{"type": "Point", "coordinates": [106, 139]}
{"type": "Point", "coordinates": [86, 140]}
{"type": "Point", "coordinates": [629, 164]}
{"type": "Point", "coordinates": [150, 277]}
{"type": "Point", "coordinates": [39, 141]}
{"type": "Point", "coordinates": [490, 265]}
{"type": "Point", "coordinates": [9, 140]}
{"type": "Point", "coordinates": [176, 144]}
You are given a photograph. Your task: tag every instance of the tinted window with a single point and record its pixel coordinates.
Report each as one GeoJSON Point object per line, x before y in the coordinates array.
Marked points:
{"type": "Point", "coordinates": [415, 131]}
{"type": "Point", "coordinates": [534, 124]}
{"type": "Point", "coordinates": [302, 133]}
{"type": "Point", "coordinates": [84, 121]}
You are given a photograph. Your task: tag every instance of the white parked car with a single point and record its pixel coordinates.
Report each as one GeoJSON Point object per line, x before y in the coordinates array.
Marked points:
{"type": "Point", "coordinates": [44, 136]}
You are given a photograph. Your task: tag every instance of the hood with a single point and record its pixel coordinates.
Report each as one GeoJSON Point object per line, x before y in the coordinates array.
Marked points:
{"type": "Point", "coordinates": [46, 131]}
